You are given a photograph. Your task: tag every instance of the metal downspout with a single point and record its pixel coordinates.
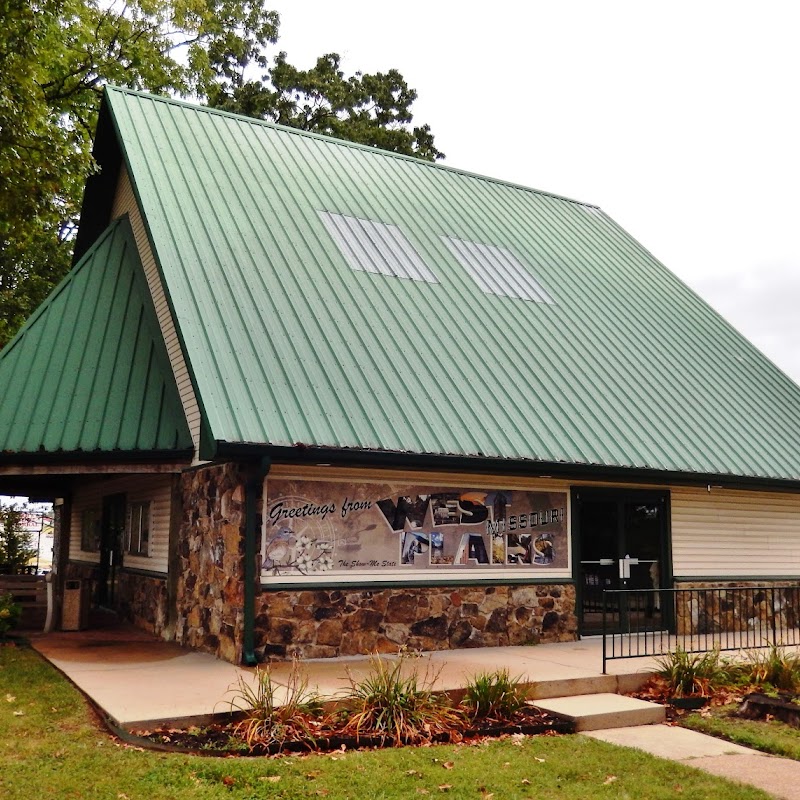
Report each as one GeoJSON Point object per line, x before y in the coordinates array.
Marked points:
{"type": "Point", "coordinates": [252, 488]}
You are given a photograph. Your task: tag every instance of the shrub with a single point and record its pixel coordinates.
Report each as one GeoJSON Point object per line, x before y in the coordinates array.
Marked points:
{"type": "Point", "coordinates": [494, 695]}
{"type": "Point", "coordinates": [692, 674]}
{"type": "Point", "coordinates": [10, 612]}
{"type": "Point", "coordinates": [400, 707]}
{"type": "Point", "coordinates": [275, 713]}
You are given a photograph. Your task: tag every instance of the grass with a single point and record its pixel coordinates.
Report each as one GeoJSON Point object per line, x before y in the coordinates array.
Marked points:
{"type": "Point", "coordinates": [769, 736]}
{"type": "Point", "coordinates": [51, 747]}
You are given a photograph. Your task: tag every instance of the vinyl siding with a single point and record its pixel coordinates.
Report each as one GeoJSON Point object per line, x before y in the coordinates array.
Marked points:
{"type": "Point", "coordinates": [125, 203]}
{"type": "Point", "coordinates": [157, 489]}
{"type": "Point", "coordinates": [734, 534]}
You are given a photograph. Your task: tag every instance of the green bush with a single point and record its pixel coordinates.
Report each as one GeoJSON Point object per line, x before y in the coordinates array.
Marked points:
{"type": "Point", "coordinates": [10, 612]}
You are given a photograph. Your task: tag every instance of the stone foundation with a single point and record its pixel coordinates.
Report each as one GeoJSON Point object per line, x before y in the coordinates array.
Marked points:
{"type": "Point", "coordinates": [210, 590]}
{"type": "Point", "coordinates": [337, 622]}
{"type": "Point", "coordinates": [755, 609]}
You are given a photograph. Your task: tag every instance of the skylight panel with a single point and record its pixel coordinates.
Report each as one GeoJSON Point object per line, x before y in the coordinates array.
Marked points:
{"type": "Point", "coordinates": [497, 270]}
{"type": "Point", "coordinates": [376, 247]}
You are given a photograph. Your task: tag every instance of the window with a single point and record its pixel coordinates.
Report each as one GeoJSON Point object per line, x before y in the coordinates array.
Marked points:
{"type": "Point", "coordinates": [378, 247]}
{"type": "Point", "coordinates": [497, 270]}
{"type": "Point", "coordinates": [90, 530]}
{"type": "Point", "coordinates": [139, 529]}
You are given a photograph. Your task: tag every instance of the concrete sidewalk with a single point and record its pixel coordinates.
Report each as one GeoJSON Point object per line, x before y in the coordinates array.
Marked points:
{"type": "Point", "coordinates": [138, 680]}
{"type": "Point", "coordinates": [779, 777]}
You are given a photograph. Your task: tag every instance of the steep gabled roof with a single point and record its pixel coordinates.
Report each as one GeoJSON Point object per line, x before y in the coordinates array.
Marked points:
{"type": "Point", "coordinates": [89, 373]}
{"type": "Point", "coordinates": [336, 296]}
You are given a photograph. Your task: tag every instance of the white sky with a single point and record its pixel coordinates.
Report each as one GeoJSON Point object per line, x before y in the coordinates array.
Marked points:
{"type": "Point", "coordinates": [681, 120]}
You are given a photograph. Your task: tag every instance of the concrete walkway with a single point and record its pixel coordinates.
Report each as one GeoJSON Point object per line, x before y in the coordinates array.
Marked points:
{"type": "Point", "coordinates": [141, 682]}
{"type": "Point", "coordinates": [779, 777]}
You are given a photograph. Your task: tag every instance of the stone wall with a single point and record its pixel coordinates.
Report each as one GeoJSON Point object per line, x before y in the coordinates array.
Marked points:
{"type": "Point", "coordinates": [337, 622]}
{"type": "Point", "coordinates": [210, 586]}
{"type": "Point", "coordinates": [140, 599]}
{"type": "Point", "coordinates": [761, 607]}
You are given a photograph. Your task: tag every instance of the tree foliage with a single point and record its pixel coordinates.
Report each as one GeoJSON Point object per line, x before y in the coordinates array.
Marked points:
{"type": "Point", "coordinates": [55, 58]}
{"type": "Point", "coordinates": [17, 549]}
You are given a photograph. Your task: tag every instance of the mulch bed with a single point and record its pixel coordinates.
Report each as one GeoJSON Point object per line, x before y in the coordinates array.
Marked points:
{"type": "Point", "coordinates": [219, 739]}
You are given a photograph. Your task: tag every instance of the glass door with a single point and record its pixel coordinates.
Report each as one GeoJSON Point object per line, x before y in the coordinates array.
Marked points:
{"type": "Point", "coordinates": [621, 540]}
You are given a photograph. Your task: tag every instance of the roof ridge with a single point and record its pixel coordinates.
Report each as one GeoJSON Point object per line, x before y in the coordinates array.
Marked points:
{"type": "Point", "coordinates": [62, 284]}
{"type": "Point", "coordinates": [342, 143]}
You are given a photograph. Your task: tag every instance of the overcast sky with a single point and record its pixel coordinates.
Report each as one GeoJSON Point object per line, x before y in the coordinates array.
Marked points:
{"type": "Point", "coordinates": [679, 119]}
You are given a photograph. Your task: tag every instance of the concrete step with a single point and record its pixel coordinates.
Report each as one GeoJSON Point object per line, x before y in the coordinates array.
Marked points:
{"type": "Point", "coordinates": [593, 684]}
{"type": "Point", "coordinates": [592, 712]}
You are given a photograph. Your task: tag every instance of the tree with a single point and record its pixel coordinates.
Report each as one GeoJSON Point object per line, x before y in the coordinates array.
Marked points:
{"type": "Point", "coordinates": [17, 549]}
{"type": "Point", "coordinates": [370, 109]}
{"type": "Point", "coordinates": [55, 58]}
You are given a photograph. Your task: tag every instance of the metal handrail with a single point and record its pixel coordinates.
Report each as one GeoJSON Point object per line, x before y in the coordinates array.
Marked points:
{"type": "Point", "coordinates": [698, 619]}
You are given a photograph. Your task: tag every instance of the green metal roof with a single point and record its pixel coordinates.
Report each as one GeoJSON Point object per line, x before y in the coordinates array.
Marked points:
{"type": "Point", "coordinates": [292, 338]}
{"type": "Point", "coordinates": [89, 370]}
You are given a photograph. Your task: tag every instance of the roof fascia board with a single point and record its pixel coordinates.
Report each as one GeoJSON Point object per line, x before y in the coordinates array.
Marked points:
{"type": "Point", "coordinates": [94, 461]}
{"type": "Point", "coordinates": [572, 472]}
{"type": "Point", "coordinates": [205, 449]}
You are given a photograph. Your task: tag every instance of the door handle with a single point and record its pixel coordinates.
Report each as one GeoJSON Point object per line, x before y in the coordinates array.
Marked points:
{"type": "Point", "coordinates": [625, 567]}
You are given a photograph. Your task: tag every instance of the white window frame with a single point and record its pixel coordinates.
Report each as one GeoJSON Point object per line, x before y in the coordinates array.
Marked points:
{"type": "Point", "coordinates": [138, 536]}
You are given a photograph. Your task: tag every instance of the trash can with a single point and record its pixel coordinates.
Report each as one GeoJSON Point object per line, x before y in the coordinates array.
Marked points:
{"type": "Point", "coordinates": [75, 611]}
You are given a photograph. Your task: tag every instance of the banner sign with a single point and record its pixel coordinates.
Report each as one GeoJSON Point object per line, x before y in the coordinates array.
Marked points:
{"type": "Point", "coordinates": [313, 527]}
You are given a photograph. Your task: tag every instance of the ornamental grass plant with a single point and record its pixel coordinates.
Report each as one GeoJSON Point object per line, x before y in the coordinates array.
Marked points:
{"type": "Point", "coordinates": [693, 674]}
{"type": "Point", "coordinates": [395, 701]}
{"type": "Point", "coordinates": [774, 667]}
{"type": "Point", "coordinates": [274, 712]}
{"type": "Point", "coordinates": [494, 696]}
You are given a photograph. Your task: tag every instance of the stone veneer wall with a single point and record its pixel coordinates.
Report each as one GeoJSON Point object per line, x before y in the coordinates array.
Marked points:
{"type": "Point", "coordinates": [334, 622]}
{"type": "Point", "coordinates": [765, 604]}
{"type": "Point", "coordinates": [141, 599]}
{"type": "Point", "coordinates": [210, 590]}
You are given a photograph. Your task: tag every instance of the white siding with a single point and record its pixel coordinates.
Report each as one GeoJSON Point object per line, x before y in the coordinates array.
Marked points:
{"type": "Point", "coordinates": [732, 534]}
{"type": "Point", "coordinates": [156, 489]}
{"type": "Point", "coordinates": [125, 203]}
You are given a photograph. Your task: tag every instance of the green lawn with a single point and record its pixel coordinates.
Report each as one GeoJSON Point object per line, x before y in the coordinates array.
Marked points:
{"type": "Point", "coordinates": [770, 736]}
{"type": "Point", "coordinates": [50, 747]}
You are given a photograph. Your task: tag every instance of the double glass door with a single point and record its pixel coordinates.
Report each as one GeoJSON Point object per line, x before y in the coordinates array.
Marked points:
{"type": "Point", "coordinates": [621, 540]}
